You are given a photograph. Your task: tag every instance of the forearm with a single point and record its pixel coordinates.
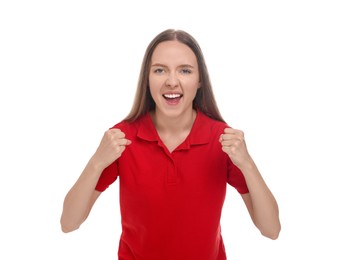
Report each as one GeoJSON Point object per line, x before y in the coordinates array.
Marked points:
{"type": "Point", "coordinates": [79, 200]}
{"type": "Point", "coordinates": [265, 212]}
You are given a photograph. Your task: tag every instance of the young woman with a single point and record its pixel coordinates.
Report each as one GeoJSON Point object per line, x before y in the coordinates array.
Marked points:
{"type": "Point", "coordinates": [173, 155]}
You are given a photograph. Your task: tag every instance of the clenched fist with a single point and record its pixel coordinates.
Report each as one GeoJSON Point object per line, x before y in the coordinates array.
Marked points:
{"type": "Point", "coordinates": [111, 147]}
{"type": "Point", "coordinates": [233, 143]}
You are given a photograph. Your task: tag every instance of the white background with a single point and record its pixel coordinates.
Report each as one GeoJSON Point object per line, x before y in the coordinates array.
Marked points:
{"type": "Point", "coordinates": [69, 69]}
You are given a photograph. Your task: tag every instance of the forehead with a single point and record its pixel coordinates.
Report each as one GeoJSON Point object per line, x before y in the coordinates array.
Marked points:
{"type": "Point", "coordinates": [169, 51]}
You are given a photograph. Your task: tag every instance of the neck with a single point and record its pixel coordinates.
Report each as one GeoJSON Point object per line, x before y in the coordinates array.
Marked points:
{"type": "Point", "coordinates": [183, 122]}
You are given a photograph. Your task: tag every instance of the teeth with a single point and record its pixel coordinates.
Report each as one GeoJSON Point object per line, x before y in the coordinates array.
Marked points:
{"type": "Point", "coordinates": [172, 95]}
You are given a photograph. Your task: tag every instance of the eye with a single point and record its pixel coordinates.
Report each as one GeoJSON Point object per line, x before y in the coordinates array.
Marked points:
{"type": "Point", "coordinates": [186, 71]}
{"type": "Point", "coordinates": [158, 70]}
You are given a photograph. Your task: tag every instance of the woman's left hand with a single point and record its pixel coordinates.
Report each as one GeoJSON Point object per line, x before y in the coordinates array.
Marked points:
{"type": "Point", "coordinates": [233, 143]}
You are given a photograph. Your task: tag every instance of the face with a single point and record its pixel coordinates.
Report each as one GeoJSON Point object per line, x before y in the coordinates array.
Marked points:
{"type": "Point", "coordinates": [174, 78]}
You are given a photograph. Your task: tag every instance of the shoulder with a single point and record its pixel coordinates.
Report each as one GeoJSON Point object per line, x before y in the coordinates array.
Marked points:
{"type": "Point", "coordinates": [131, 127]}
{"type": "Point", "coordinates": [210, 124]}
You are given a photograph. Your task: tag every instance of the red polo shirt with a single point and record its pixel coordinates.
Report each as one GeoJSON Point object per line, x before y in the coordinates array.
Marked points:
{"type": "Point", "coordinates": [171, 202]}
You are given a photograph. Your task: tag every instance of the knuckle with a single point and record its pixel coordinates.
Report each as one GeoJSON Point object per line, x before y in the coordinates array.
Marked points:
{"type": "Point", "coordinates": [114, 131]}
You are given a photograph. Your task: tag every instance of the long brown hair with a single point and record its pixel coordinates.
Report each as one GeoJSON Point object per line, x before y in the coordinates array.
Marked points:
{"type": "Point", "coordinates": [204, 99]}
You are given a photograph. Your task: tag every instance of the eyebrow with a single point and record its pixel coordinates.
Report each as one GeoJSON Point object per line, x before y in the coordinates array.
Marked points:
{"type": "Point", "coordinates": [180, 66]}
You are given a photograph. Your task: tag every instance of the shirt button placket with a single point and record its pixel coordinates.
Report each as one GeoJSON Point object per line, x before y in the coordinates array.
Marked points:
{"type": "Point", "coordinates": [171, 171]}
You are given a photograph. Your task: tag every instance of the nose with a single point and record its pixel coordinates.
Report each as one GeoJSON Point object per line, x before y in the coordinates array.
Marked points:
{"type": "Point", "coordinates": [172, 80]}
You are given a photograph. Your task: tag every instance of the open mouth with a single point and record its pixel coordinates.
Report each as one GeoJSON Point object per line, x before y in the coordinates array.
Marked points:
{"type": "Point", "coordinates": [172, 99]}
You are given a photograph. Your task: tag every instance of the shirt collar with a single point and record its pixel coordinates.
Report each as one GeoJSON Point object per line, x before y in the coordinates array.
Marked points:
{"type": "Point", "coordinates": [200, 132]}
{"type": "Point", "coordinates": [146, 130]}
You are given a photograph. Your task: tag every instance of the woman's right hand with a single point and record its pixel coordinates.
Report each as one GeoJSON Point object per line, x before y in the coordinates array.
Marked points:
{"type": "Point", "coordinates": [111, 148]}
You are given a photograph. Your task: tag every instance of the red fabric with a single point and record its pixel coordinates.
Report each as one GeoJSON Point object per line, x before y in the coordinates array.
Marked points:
{"type": "Point", "coordinates": [171, 202]}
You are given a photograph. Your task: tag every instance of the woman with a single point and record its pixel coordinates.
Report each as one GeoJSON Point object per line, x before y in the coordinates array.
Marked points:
{"type": "Point", "coordinates": [173, 155]}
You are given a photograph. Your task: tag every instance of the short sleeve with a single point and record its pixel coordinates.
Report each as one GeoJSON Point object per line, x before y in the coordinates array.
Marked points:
{"type": "Point", "coordinates": [236, 179]}
{"type": "Point", "coordinates": [108, 176]}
